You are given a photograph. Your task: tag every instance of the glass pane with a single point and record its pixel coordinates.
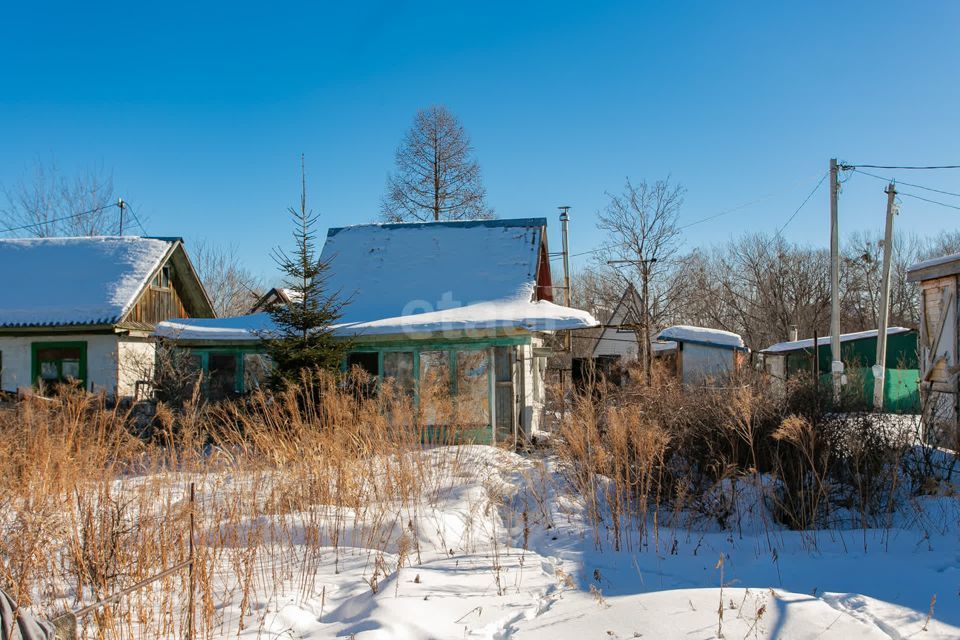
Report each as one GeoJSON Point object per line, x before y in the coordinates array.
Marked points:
{"type": "Point", "coordinates": [434, 369]}
{"type": "Point", "coordinates": [71, 369]}
{"type": "Point", "coordinates": [368, 361]}
{"type": "Point", "coordinates": [256, 370]}
{"type": "Point", "coordinates": [398, 366]}
{"type": "Point", "coordinates": [473, 389]}
{"type": "Point", "coordinates": [222, 375]}
{"type": "Point", "coordinates": [55, 353]}
{"type": "Point", "coordinates": [435, 387]}
{"type": "Point", "coordinates": [48, 371]}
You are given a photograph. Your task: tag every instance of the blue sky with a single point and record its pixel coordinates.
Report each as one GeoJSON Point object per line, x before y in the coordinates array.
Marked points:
{"type": "Point", "coordinates": [201, 110]}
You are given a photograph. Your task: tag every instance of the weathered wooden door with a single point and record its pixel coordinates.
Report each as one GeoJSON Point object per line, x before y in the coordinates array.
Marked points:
{"type": "Point", "coordinates": [939, 360]}
{"type": "Point", "coordinates": [503, 393]}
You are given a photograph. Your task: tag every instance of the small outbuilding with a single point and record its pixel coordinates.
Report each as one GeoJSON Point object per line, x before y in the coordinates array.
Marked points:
{"type": "Point", "coordinates": [699, 355]}
{"type": "Point", "coordinates": [786, 360]}
{"type": "Point", "coordinates": [939, 347]}
{"type": "Point", "coordinates": [83, 310]}
{"type": "Point", "coordinates": [469, 302]}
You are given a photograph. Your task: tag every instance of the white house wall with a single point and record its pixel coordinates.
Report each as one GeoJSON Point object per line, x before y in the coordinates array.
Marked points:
{"type": "Point", "coordinates": [702, 361]}
{"type": "Point", "coordinates": [16, 355]}
{"type": "Point", "coordinates": [137, 360]}
{"type": "Point", "coordinates": [532, 387]}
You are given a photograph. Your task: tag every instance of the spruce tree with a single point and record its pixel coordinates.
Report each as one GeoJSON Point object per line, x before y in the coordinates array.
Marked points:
{"type": "Point", "coordinates": [302, 338]}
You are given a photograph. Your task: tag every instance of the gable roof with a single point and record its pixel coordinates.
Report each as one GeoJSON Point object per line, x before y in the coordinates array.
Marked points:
{"type": "Point", "coordinates": [51, 282]}
{"type": "Point", "coordinates": [627, 312]}
{"type": "Point", "coordinates": [276, 295]}
{"type": "Point", "coordinates": [422, 278]}
{"type": "Point", "coordinates": [392, 270]}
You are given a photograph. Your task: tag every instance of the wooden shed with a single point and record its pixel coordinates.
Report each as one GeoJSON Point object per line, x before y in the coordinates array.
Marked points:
{"type": "Point", "coordinates": [785, 360]}
{"type": "Point", "coordinates": [939, 344]}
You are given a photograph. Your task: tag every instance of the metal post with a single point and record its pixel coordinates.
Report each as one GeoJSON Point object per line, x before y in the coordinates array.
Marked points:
{"type": "Point", "coordinates": [564, 231]}
{"type": "Point", "coordinates": [121, 204]}
{"type": "Point", "coordinates": [193, 572]}
{"type": "Point", "coordinates": [647, 356]}
{"type": "Point", "coordinates": [879, 369]}
{"type": "Point", "coordinates": [836, 366]}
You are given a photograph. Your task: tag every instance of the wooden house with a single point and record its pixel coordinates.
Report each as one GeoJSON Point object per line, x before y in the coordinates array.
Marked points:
{"type": "Point", "coordinates": [939, 352]}
{"type": "Point", "coordinates": [618, 339]}
{"type": "Point", "coordinates": [84, 309]}
{"type": "Point", "coordinates": [858, 351]}
{"type": "Point", "coordinates": [277, 295]}
{"type": "Point", "coordinates": [467, 301]}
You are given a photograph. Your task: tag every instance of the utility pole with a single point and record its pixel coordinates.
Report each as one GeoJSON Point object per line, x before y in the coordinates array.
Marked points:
{"type": "Point", "coordinates": [122, 205]}
{"type": "Point", "coordinates": [564, 231]}
{"type": "Point", "coordinates": [879, 369]}
{"type": "Point", "coordinates": [644, 338]}
{"type": "Point", "coordinates": [836, 366]}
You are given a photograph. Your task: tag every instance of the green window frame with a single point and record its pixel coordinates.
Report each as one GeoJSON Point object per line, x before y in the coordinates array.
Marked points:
{"type": "Point", "coordinates": [35, 362]}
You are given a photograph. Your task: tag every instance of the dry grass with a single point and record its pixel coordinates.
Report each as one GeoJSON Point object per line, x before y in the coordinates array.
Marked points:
{"type": "Point", "coordinates": [285, 486]}
{"type": "Point", "coordinates": [642, 456]}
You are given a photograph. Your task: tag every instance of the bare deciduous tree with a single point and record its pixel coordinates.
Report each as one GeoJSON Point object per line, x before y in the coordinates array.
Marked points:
{"type": "Point", "coordinates": [642, 236]}
{"type": "Point", "coordinates": [232, 288]}
{"type": "Point", "coordinates": [47, 203]}
{"type": "Point", "coordinates": [436, 176]}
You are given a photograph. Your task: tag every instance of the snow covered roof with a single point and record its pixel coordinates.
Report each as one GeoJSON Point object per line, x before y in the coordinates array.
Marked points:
{"type": "Point", "coordinates": [518, 314]}
{"type": "Point", "coordinates": [392, 270]}
{"type": "Point", "coordinates": [798, 345]}
{"type": "Point", "coordinates": [424, 277]}
{"type": "Point", "coordinates": [66, 281]}
{"type": "Point", "coordinates": [943, 265]}
{"type": "Point", "coordinates": [702, 335]}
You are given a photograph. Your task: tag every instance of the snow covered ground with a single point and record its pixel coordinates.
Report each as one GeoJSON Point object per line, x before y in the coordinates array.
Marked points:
{"type": "Point", "coordinates": [508, 553]}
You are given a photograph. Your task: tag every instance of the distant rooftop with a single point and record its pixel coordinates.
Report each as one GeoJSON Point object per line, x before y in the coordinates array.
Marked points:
{"type": "Point", "coordinates": [798, 345]}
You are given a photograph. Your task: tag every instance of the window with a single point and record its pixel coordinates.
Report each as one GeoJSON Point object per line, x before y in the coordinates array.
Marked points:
{"type": "Point", "coordinates": [368, 361]}
{"type": "Point", "coordinates": [222, 375]}
{"type": "Point", "coordinates": [398, 367]}
{"type": "Point", "coordinates": [435, 387]}
{"type": "Point", "coordinates": [256, 370]}
{"type": "Point", "coordinates": [162, 279]}
{"type": "Point", "coordinates": [473, 389]}
{"type": "Point", "coordinates": [56, 362]}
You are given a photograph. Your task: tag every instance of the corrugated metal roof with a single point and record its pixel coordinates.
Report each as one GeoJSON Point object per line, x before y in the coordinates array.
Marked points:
{"type": "Point", "coordinates": [74, 281]}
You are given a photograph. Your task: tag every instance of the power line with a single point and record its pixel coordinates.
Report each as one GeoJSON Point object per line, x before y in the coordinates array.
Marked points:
{"type": "Point", "coordinates": [802, 204]}
{"type": "Point", "coordinates": [723, 213]}
{"type": "Point", "coordinates": [942, 204]}
{"type": "Point", "coordinates": [136, 218]}
{"type": "Point", "coordinates": [917, 186]}
{"type": "Point", "coordinates": [61, 219]}
{"type": "Point", "coordinates": [913, 168]}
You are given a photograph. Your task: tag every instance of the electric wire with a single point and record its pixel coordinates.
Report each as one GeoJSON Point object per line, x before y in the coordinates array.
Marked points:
{"type": "Point", "coordinates": [802, 204]}
{"type": "Point", "coordinates": [60, 219]}
{"type": "Point", "coordinates": [909, 184]}
{"type": "Point", "coordinates": [136, 218]}
{"type": "Point", "coordinates": [942, 204]}
{"type": "Point", "coordinates": [908, 168]}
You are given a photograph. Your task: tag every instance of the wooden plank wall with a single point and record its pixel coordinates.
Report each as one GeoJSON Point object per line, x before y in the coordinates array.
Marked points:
{"type": "Point", "coordinates": [157, 305]}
